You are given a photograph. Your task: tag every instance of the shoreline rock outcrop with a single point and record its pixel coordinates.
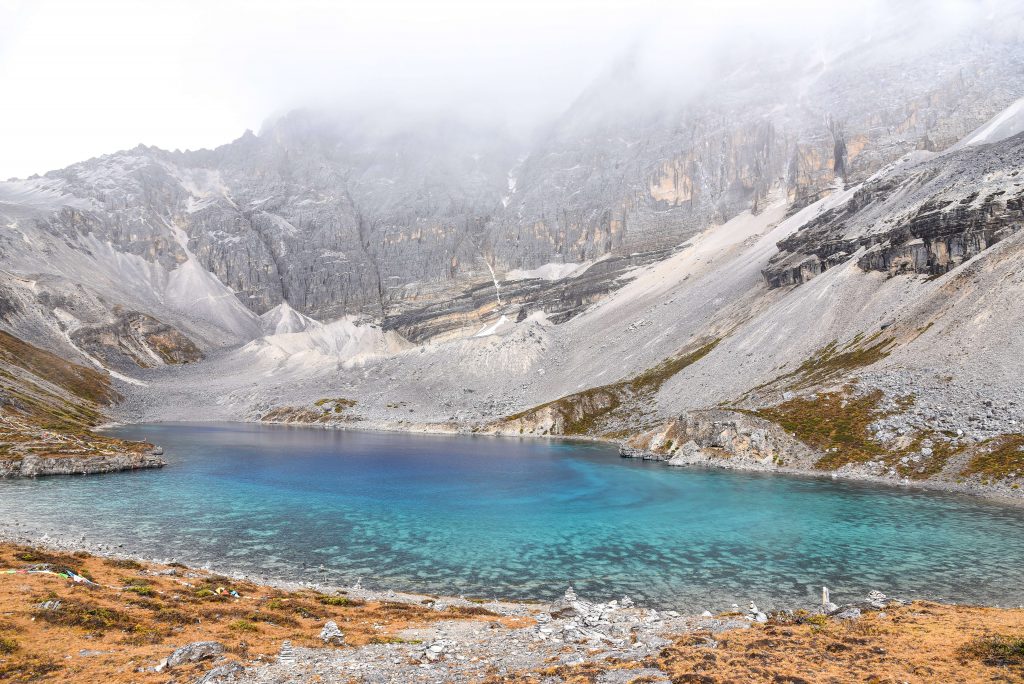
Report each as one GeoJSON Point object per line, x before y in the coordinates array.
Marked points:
{"type": "Point", "coordinates": [36, 466]}
{"type": "Point", "coordinates": [731, 439]}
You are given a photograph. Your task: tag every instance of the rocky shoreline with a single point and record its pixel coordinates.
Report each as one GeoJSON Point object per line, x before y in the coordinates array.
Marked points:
{"type": "Point", "coordinates": [716, 450]}
{"type": "Point", "coordinates": [571, 630]}
{"type": "Point", "coordinates": [720, 452]}
{"type": "Point", "coordinates": [32, 465]}
{"type": "Point", "coordinates": [506, 640]}
{"type": "Point", "coordinates": [1002, 495]}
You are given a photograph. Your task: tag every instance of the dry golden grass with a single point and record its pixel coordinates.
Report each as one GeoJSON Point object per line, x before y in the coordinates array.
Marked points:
{"type": "Point", "coordinates": [589, 411]}
{"type": "Point", "coordinates": [923, 643]}
{"type": "Point", "coordinates": [137, 618]}
{"type": "Point", "coordinates": [105, 634]}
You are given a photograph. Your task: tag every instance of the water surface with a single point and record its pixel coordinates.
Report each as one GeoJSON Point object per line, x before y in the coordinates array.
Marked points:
{"type": "Point", "coordinates": [516, 518]}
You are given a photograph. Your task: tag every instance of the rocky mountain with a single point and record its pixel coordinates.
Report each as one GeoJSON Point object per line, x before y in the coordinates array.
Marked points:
{"type": "Point", "coordinates": [840, 221]}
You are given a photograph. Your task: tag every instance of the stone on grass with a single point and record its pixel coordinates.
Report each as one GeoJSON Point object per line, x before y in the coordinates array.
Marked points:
{"type": "Point", "coordinates": [330, 634]}
{"type": "Point", "coordinates": [194, 652]}
{"type": "Point", "coordinates": [225, 674]}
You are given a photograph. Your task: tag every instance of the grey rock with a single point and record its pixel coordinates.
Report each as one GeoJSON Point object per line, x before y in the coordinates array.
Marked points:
{"type": "Point", "coordinates": [32, 465]}
{"type": "Point", "coordinates": [847, 612]}
{"type": "Point", "coordinates": [223, 674]}
{"type": "Point", "coordinates": [331, 634]}
{"type": "Point", "coordinates": [194, 652]}
{"type": "Point", "coordinates": [950, 210]}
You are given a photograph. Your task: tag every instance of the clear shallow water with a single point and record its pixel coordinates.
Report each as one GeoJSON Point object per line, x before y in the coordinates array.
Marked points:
{"type": "Point", "coordinates": [522, 519]}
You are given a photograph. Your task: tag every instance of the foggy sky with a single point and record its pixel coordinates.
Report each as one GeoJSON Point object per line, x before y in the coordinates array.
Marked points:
{"type": "Point", "coordinates": [79, 78]}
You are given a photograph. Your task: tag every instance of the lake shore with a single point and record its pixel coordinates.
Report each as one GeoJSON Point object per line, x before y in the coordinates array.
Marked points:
{"type": "Point", "coordinates": [1001, 492]}
{"type": "Point", "coordinates": [131, 620]}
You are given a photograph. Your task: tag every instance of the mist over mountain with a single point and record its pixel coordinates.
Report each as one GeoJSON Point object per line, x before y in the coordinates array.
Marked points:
{"type": "Point", "coordinates": [713, 172]}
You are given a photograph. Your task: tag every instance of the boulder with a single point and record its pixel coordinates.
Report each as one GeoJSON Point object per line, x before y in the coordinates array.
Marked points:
{"type": "Point", "coordinates": [225, 674]}
{"type": "Point", "coordinates": [194, 652]}
{"type": "Point", "coordinates": [847, 612]}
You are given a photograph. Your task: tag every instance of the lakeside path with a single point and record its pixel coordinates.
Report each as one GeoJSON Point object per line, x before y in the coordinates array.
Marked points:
{"type": "Point", "coordinates": [137, 621]}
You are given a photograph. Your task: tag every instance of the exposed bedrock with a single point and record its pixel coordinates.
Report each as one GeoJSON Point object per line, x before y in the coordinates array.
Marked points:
{"type": "Point", "coordinates": [559, 300]}
{"type": "Point", "coordinates": [719, 437]}
{"type": "Point", "coordinates": [136, 339]}
{"type": "Point", "coordinates": [928, 218]}
{"type": "Point", "coordinates": [36, 465]}
{"type": "Point", "coordinates": [381, 214]}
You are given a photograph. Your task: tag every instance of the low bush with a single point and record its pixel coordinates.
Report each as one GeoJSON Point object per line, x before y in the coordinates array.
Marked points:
{"type": "Point", "coordinates": [996, 649]}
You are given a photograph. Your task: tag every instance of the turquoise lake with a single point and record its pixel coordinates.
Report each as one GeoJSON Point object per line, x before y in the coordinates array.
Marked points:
{"type": "Point", "coordinates": [490, 517]}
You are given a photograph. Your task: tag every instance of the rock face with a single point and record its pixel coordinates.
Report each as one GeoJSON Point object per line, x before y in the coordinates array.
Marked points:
{"type": "Point", "coordinates": [411, 220]}
{"type": "Point", "coordinates": [35, 466]}
{"type": "Point", "coordinates": [559, 300]}
{"type": "Point", "coordinates": [927, 217]}
{"type": "Point", "coordinates": [135, 339]}
{"type": "Point", "coordinates": [223, 674]}
{"type": "Point", "coordinates": [719, 438]}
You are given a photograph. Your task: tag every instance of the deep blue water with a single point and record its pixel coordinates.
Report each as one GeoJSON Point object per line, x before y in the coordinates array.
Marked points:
{"type": "Point", "coordinates": [522, 519]}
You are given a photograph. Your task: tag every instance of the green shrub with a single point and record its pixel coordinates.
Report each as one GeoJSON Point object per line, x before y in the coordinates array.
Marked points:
{"type": "Point", "coordinates": [243, 626]}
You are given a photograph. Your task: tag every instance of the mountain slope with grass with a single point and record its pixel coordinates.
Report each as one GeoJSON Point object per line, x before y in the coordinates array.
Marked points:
{"type": "Point", "coordinates": [48, 409]}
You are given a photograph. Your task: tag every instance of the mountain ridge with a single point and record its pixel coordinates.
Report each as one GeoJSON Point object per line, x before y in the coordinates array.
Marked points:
{"type": "Point", "coordinates": [803, 224]}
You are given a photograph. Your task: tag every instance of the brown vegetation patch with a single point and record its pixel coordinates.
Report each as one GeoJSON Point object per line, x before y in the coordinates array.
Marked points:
{"type": "Point", "coordinates": [123, 563]}
{"type": "Point", "coordinates": [833, 361]}
{"type": "Point", "coordinates": [29, 667]}
{"type": "Point", "coordinates": [838, 424]}
{"type": "Point", "coordinates": [589, 411]}
{"type": "Point", "coordinates": [835, 423]}
{"type": "Point", "coordinates": [48, 406]}
{"type": "Point", "coordinates": [89, 615]}
{"type": "Point", "coordinates": [997, 650]}
{"type": "Point", "coordinates": [651, 380]}
{"type": "Point", "coordinates": [83, 382]}
{"type": "Point", "coordinates": [136, 618]}
{"type": "Point", "coordinates": [335, 405]}
{"type": "Point", "coordinates": [472, 610]}
{"type": "Point", "coordinates": [917, 643]}
{"type": "Point", "coordinates": [998, 458]}
{"type": "Point", "coordinates": [922, 643]}
{"type": "Point", "coordinates": [321, 411]}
